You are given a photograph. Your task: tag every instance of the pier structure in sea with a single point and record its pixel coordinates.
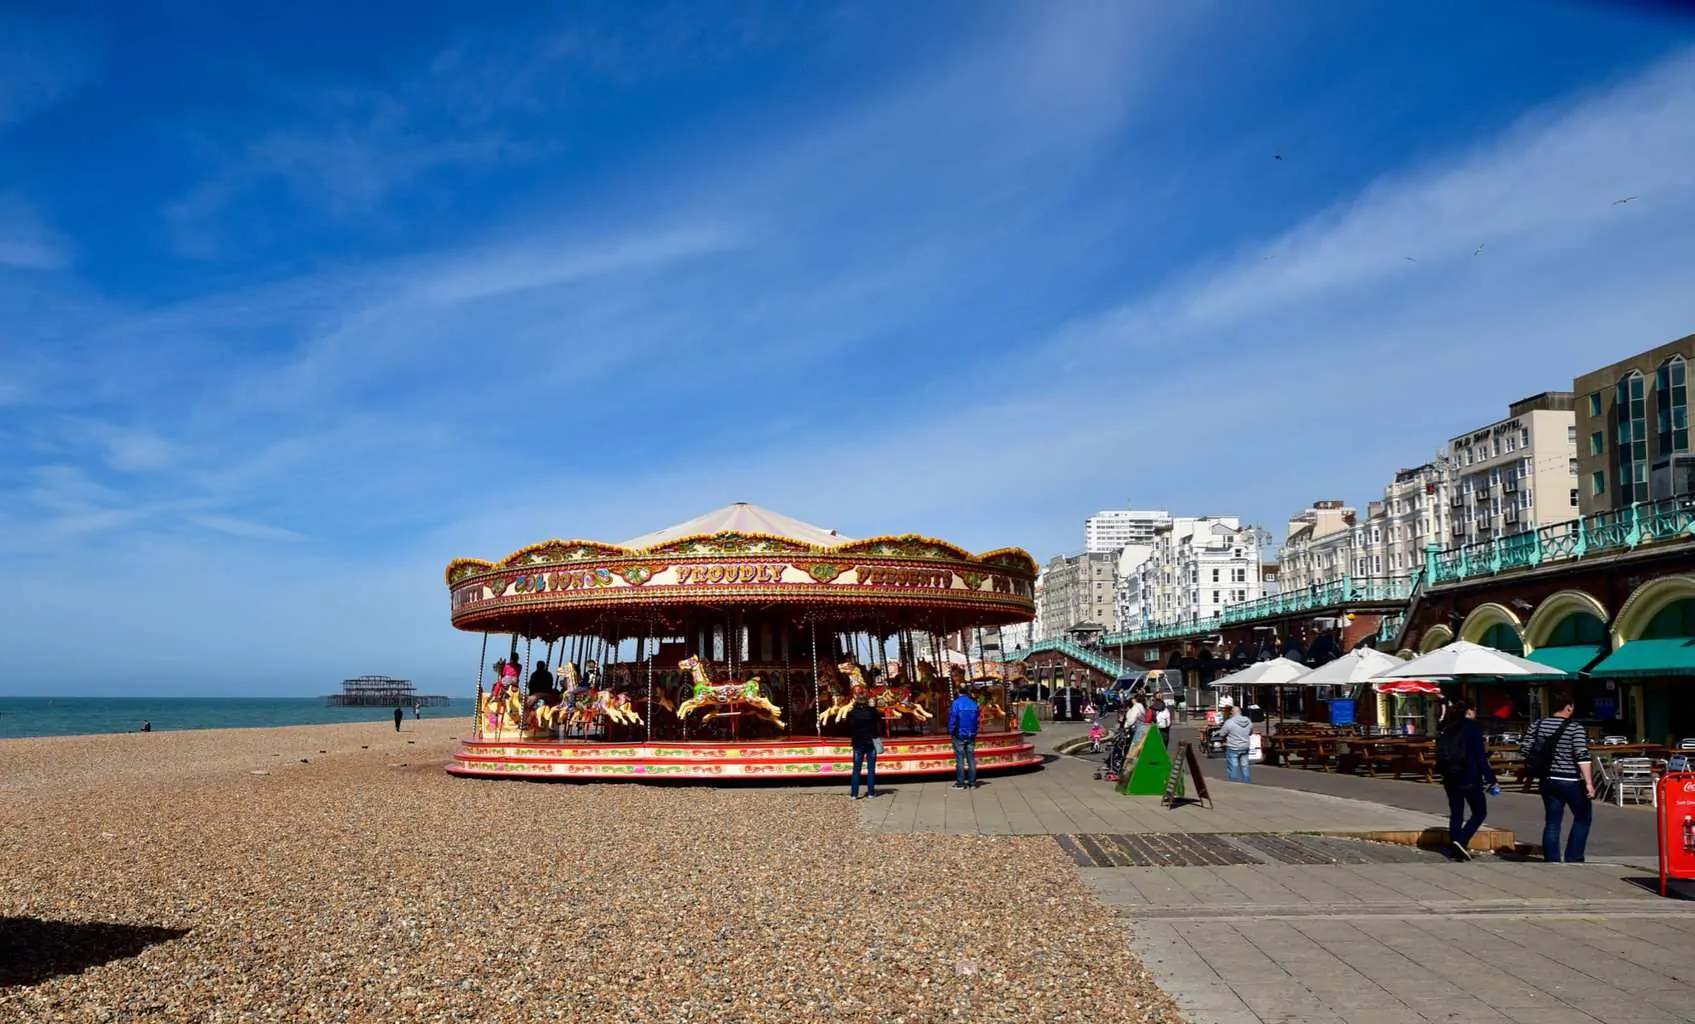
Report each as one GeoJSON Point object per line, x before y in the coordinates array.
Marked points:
{"type": "Point", "coordinates": [382, 692]}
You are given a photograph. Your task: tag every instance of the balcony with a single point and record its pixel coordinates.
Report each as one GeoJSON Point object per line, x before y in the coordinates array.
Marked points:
{"type": "Point", "coordinates": [1511, 516]}
{"type": "Point", "coordinates": [1511, 486]}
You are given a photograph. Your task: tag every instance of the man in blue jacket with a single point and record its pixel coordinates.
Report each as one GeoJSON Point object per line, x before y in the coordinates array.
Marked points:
{"type": "Point", "coordinates": [962, 726]}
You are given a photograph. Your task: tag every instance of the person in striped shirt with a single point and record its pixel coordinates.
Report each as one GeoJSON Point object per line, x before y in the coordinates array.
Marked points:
{"type": "Point", "coordinates": [1556, 752]}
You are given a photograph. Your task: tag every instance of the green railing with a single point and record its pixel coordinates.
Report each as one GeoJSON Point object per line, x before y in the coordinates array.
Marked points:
{"type": "Point", "coordinates": [1600, 534]}
{"type": "Point", "coordinates": [1094, 659]}
{"type": "Point", "coordinates": [1332, 595]}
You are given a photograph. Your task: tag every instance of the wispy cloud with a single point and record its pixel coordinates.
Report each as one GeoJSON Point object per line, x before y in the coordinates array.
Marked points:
{"type": "Point", "coordinates": [27, 242]}
{"type": "Point", "coordinates": [245, 529]}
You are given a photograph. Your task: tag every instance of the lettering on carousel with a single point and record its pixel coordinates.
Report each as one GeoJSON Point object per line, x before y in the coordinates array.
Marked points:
{"type": "Point", "coordinates": [710, 574]}
{"type": "Point", "coordinates": [933, 578]}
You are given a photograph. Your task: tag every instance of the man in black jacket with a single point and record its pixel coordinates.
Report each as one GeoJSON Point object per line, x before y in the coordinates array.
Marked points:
{"type": "Point", "coordinates": [864, 723]}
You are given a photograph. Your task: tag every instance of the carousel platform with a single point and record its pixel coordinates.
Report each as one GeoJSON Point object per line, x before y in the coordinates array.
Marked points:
{"type": "Point", "coordinates": [827, 757]}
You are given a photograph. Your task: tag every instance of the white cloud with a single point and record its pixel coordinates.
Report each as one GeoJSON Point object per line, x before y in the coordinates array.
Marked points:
{"type": "Point", "coordinates": [245, 529]}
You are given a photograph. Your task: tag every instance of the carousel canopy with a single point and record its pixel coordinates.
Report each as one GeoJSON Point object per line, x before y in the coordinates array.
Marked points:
{"type": "Point", "coordinates": [742, 564]}
{"type": "Point", "coordinates": [744, 519]}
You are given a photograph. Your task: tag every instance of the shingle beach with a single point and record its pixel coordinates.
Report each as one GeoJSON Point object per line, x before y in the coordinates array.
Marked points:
{"type": "Point", "coordinates": [336, 873]}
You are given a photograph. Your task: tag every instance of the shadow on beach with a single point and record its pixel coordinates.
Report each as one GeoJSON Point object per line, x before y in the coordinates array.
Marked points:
{"type": "Point", "coordinates": [33, 950]}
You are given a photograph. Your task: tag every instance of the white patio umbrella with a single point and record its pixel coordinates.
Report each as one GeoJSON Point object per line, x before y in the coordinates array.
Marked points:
{"type": "Point", "coordinates": [1462, 659]}
{"type": "Point", "coordinates": [1276, 672]}
{"type": "Point", "coordinates": [1357, 666]}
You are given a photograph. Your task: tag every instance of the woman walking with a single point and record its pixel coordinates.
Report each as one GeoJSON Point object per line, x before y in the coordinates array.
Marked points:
{"type": "Point", "coordinates": [864, 722]}
{"type": "Point", "coordinates": [1462, 758]}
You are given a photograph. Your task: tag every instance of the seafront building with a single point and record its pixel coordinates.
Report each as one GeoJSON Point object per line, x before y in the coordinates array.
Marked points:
{"type": "Point", "coordinates": [1515, 474]}
{"type": "Point", "coordinates": [1632, 426]}
{"type": "Point", "coordinates": [1195, 566]}
{"type": "Point", "coordinates": [1108, 531]}
{"type": "Point", "coordinates": [1077, 590]}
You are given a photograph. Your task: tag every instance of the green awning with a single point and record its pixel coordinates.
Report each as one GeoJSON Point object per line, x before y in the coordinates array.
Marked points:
{"type": "Point", "coordinates": [1570, 660]}
{"type": "Point", "coordinates": [1674, 657]}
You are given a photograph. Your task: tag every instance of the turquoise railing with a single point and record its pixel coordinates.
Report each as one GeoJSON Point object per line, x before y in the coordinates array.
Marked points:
{"type": "Point", "coordinates": [1333, 594]}
{"type": "Point", "coordinates": [1094, 659]}
{"type": "Point", "coordinates": [1603, 533]}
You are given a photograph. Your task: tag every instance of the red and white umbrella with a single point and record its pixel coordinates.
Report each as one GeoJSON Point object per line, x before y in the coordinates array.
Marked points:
{"type": "Point", "coordinates": [1408, 688]}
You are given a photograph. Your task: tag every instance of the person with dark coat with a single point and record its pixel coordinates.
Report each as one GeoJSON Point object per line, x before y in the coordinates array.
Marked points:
{"type": "Point", "coordinates": [864, 723]}
{"type": "Point", "coordinates": [541, 680]}
{"type": "Point", "coordinates": [1465, 776]}
{"type": "Point", "coordinates": [398, 715]}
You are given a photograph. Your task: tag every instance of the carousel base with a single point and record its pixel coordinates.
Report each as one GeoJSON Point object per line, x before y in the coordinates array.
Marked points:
{"type": "Point", "coordinates": [826, 757]}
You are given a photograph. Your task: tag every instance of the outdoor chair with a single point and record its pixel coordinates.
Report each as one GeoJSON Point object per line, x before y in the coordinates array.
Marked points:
{"type": "Point", "coordinates": [1614, 741]}
{"type": "Point", "coordinates": [1687, 743]}
{"type": "Point", "coordinates": [1635, 778]}
{"type": "Point", "coordinates": [1606, 782]}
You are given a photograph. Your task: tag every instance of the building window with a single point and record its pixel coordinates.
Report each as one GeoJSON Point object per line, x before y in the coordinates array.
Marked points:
{"type": "Point", "coordinates": [1573, 467]}
{"type": "Point", "coordinates": [1574, 497]}
{"type": "Point", "coordinates": [1597, 443]}
{"type": "Point", "coordinates": [1598, 482]}
{"type": "Point", "coordinates": [1632, 452]}
{"type": "Point", "coordinates": [1595, 403]}
{"type": "Point", "coordinates": [1671, 406]}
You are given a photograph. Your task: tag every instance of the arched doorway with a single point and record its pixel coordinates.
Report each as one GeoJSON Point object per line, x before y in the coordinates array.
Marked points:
{"type": "Point", "coordinates": [1653, 657]}
{"type": "Point", "coordinates": [1496, 626]}
{"type": "Point", "coordinates": [1435, 638]}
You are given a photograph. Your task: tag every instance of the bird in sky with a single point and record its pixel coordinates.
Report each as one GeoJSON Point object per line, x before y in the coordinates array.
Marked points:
{"type": "Point", "coordinates": [1626, 199]}
{"type": "Point", "coordinates": [1479, 248]}
{"type": "Point", "coordinates": [1277, 156]}
{"type": "Point", "coordinates": [1409, 259]}
{"type": "Point", "coordinates": [1265, 258]}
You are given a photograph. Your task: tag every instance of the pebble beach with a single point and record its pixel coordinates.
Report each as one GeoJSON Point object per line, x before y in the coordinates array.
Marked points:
{"type": "Point", "coordinates": [337, 873]}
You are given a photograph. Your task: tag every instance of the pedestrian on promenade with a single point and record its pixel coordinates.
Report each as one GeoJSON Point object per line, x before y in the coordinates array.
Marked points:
{"type": "Point", "coordinates": [962, 727]}
{"type": "Point", "coordinates": [1462, 759]}
{"type": "Point", "coordinates": [1236, 730]}
{"type": "Point", "coordinates": [1162, 722]}
{"type": "Point", "coordinates": [1556, 751]}
{"type": "Point", "coordinates": [398, 715]}
{"type": "Point", "coordinates": [864, 722]}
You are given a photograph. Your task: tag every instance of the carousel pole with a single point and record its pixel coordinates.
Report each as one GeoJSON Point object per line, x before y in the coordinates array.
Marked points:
{"type": "Point", "coordinates": [477, 705]}
{"type": "Point", "coordinates": [646, 647]}
{"type": "Point", "coordinates": [788, 682]}
{"type": "Point", "coordinates": [529, 663]}
{"type": "Point", "coordinates": [817, 698]}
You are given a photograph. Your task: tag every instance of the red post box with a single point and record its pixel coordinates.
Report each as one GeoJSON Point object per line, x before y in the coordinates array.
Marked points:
{"type": "Point", "coordinates": [1677, 827]}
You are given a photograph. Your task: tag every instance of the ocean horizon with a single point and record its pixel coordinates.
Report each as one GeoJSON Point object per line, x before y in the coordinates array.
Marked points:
{"type": "Point", "coordinates": [22, 717]}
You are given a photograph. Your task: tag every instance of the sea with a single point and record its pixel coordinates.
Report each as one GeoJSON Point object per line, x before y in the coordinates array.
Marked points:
{"type": "Point", "coordinates": [79, 716]}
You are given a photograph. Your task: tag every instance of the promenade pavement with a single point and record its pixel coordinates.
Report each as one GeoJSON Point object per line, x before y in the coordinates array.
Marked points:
{"type": "Point", "coordinates": [1619, 833]}
{"type": "Point", "coordinates": [1245, 921]}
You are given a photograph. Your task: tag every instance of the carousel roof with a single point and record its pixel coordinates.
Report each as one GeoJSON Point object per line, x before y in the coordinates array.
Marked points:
{"type": "Point", "coordinates": [743, 518]}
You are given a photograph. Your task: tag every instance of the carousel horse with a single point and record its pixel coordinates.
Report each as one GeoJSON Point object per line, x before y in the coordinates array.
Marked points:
{"type": "Point", "coordinates": [895, 699]}
{"type": "Point", "coordinates": [839, 698]}
{"type": "Point", "coordinates": [723, 698]}
{"type": "Point", "coordinates": [617, 707]}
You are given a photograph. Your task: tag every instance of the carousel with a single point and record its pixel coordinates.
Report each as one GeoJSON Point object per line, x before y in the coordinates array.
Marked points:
{"type": "Point", "coordinates": [732, 646]}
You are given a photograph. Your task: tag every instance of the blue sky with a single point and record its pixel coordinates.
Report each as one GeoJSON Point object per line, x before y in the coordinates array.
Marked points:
{"type": "Point", "coordinates": [296, 308]}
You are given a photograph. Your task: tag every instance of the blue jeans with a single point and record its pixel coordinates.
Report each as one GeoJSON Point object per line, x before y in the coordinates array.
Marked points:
{"type": "Point", "coordinates": [866, 760]}
{"type": "Point", "coordinates": [965, 760]}
{"type": "Point", "coordinates": [1556, 797]}
{"type": "Point", "coordinates": [1236, 765]}
{"type": "Point", "coordinates": [1459, 797]}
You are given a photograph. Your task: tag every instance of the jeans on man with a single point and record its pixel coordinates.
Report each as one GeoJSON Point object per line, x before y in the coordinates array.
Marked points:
{"type": "Point", "coordinates": [1236, 764]}
{"type": "Point", "coordinates": [1459, 798]}
{"type": "Point", "coordinates": [1557, 795]}
{"type": "Point", "coordinates": [965, 761]}
{"type": "Point", "coordinates": [867, 760]}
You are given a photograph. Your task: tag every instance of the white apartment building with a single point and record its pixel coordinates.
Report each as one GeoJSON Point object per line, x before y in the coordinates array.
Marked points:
{"type": "Point", "coordinates": [1077, 589]}
{"type": "Point", "coordinates": [1319, 546]}
{"type": "Point", "coordinates": [1127, 583]}
{"type": "Point", "coordinates": [1111, 529]}
{"type": "Point", "coordinates": [1516, 474]}
{"type": "Point", "coordinates": [1196, 567]}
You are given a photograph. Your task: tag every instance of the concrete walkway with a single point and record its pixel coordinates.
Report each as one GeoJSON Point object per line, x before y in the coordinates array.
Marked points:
{"type": "Point", "coordinates": [1285, 928]}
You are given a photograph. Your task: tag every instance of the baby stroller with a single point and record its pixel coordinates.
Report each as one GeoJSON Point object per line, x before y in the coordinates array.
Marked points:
{"type": "Point", "coordinates": [1117, 750]}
